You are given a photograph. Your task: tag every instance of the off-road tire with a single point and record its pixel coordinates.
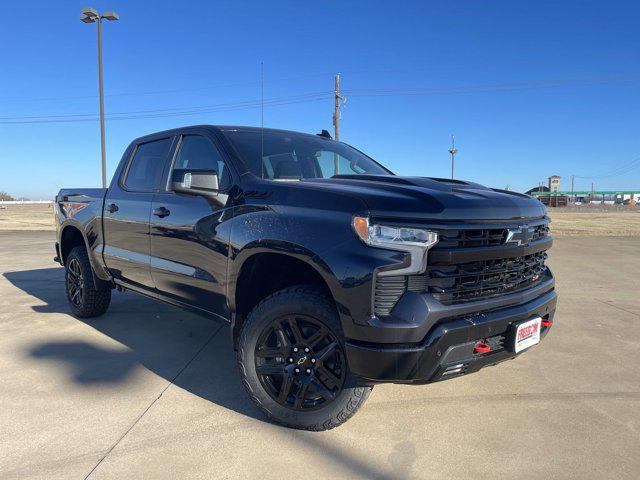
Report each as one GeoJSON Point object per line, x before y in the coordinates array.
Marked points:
{"type": "Point", "coordinates": [91, 302]}
{"type": "Point", "coordinates": [300, 300]}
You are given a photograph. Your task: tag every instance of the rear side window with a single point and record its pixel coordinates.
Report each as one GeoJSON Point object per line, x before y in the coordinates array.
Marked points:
{"type": "Point", "coordinates": [145, 169]}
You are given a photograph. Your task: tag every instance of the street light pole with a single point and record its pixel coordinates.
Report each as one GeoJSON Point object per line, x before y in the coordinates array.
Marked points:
{"type": "Point", "coordinates": [100, 87]}
{"type": "Point", "coordinates": [90, 15]}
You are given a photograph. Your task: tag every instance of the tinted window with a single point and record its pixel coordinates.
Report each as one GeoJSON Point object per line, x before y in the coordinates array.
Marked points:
{"type": "Point", "coordinates": [294, 156]}
{"type": "Point", "coordinates": [145, 170]}
{"type": "Point", "coordinates": [332, 164]}
{"type": "Point", "coordinates": [199, 153]}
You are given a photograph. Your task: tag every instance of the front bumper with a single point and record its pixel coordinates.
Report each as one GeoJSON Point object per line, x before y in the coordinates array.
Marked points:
{"type": "Point", "coordinates": [447, 351]}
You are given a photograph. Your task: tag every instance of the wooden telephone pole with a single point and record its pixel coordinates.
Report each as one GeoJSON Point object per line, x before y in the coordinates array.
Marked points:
{"type": "Point", "coordinates": [336, 106]}
{"type": "Point", "coordinates": [337, 98]}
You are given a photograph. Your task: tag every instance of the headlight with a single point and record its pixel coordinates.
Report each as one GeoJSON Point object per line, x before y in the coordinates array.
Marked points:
{"type": "Point", "coordinates": [415, 241]}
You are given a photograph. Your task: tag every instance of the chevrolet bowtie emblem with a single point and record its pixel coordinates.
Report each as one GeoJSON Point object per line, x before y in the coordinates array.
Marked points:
{"type": "Point", "coordinates": [520, 236]}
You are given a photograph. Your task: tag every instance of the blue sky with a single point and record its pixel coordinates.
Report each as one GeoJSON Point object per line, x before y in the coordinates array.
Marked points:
{"type": "Point", "coordinates": [529, 88]}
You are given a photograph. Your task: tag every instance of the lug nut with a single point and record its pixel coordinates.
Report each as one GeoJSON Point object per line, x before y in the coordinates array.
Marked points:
{"type": "Point", "coordinates": [308, 370]}
{"type": "Point", "coordinates": [306, 350]}
{"type": "Point", "coordinates": [297, 370]}
{"type": "Point", "coordinates": [295, 349]}
{"type": "Point", "coordinates": [290, 360]}
{"type": "Point", "coordinates": [313, 360]}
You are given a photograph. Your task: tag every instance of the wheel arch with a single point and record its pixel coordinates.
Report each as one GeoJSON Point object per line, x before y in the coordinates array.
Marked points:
{"type": "Point", "coordinates": [71, 236]}
{"type": "Point", "coordinates": [261, 271]}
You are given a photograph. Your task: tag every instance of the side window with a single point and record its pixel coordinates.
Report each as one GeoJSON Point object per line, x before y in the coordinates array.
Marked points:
{"type": "Point", "coordinates": [327, 163]}
{"type": "Point", "coordinates": [145, 169]}
{"type": "Point", "coordinates": [197, 152]}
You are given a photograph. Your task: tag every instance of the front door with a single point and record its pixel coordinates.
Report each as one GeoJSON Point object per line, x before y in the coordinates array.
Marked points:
{"type": "Point", "coordinates": [190, 233]}
{"type": "Point", "coordinates": [126, 215]}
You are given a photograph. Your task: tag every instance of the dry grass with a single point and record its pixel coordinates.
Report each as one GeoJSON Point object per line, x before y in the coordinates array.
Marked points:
{"type": "Point", "coordinates": [595, 221]}
{"type": "Point", "coordinates": [27, 217]}
{"type": "Point", "coordinates": [590, 220]}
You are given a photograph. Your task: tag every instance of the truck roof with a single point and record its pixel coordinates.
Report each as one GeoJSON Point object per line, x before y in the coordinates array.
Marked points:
{"type": "Point", "coordinates": [220, 128]}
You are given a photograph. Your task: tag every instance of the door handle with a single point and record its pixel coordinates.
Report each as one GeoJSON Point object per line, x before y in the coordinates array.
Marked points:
{"type": "Point", "coordinates": [112, 207]}
{"type": "Point", "coordinates": [161, 212]}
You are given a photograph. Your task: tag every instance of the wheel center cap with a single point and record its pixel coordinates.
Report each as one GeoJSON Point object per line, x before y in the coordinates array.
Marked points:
{"type": "Point", "coordinates": [301, 360]}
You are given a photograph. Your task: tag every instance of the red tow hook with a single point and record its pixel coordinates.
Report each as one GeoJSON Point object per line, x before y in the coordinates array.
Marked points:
{"type": "Point", "coordinates": [546, 322]}
{"type": "Point", "coordinates": [482, 347]}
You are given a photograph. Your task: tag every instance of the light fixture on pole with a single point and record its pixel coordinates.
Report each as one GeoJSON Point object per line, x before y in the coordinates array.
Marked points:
{"type": "Point", "coordinates": [90, 15]}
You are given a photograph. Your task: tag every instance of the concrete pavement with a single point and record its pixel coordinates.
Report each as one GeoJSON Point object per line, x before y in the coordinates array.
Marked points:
{"type": "Point", "coordinates": [150, 391]}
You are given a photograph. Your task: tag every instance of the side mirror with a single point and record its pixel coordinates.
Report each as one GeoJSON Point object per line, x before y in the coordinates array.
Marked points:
{"type": "Point", "coordinates": [195, 182]}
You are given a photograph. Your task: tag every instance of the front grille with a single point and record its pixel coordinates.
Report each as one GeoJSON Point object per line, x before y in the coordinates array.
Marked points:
{"type": "Point", "coordinates": [453, 283]}
{"type": "Point", "coordinates": [465, 282]}
{"type": "Point", "coordinates": [482, 237]}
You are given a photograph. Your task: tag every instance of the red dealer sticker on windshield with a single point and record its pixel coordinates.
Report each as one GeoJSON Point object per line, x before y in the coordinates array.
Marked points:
{"type": "Point", "coordinates": [527, 334]}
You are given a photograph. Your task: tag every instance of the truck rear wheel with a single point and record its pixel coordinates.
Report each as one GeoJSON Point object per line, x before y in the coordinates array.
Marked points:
{"type": "Point", "coordinates": [292, 361]}
{"type": "Point", "coordinates": [84, 298]}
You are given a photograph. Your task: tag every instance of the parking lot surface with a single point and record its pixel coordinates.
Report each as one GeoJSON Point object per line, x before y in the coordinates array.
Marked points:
{"type": "Point", "coordinates": [150, 391]}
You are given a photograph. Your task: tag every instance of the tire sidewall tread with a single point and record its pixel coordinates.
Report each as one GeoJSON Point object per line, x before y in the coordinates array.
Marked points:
{"type": "Point", "coordinates": [95, 301]}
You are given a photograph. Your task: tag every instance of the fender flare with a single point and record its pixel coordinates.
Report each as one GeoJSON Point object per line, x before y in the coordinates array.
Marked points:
{"type": "Point", "coordinates": [277, 247]}
{"type": "Point", "coordinates": [97, 280]}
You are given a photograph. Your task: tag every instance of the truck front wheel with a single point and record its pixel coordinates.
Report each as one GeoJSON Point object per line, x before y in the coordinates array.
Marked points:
{"type": "Point", "coordinates": [84, 298]}
{"type": "Point", "coordinates": [292, 362]}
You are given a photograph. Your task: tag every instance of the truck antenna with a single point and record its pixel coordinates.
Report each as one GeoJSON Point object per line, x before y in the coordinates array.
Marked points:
{"type": "Point", "coordinates": [453, 150]}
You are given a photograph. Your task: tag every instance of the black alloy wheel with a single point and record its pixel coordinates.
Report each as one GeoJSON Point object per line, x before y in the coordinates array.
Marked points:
{"type": "Point", "coordinates": [292, 360]}
{"type": "Point", "coordinates": [75, 283]}
{"type": "Point", "coordinates": [300, 362]}
{"type": "Point", "coordinates": [85, 299]}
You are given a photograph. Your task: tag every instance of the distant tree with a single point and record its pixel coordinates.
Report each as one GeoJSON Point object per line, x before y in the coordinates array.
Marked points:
{"type": "Point", "coordinates": [5, 196]}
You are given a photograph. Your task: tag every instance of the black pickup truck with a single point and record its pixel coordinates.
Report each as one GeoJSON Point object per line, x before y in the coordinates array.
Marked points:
{"type": "Point", "coordinates": [333, 273]}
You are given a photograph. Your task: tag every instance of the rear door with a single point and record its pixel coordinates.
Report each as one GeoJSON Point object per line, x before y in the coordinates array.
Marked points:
{"type": "Point", "coordinates": [190, 233]}
{"type": "Point", "coordinates": [127, 210]}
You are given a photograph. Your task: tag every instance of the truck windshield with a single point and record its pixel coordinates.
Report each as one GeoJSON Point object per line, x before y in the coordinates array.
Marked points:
{"type": "Point", "coordinates": [291, 156]}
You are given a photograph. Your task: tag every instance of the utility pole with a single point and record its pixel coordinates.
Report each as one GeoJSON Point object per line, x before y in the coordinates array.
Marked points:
{"type": "Point", "coordinates": [572, 179]}
{"type": "Point", "coordinates": [336, 118]}
{"type": "Point", "coordinates": [453, 152]}
{"type": "Point", "coordinates": [336, 106]}
{"type": "Point", "coordinates": [90, 15]}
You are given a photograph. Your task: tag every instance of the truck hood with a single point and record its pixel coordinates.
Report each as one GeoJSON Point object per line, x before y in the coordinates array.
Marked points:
{"type": "Point", "coordinates": [420, 198]}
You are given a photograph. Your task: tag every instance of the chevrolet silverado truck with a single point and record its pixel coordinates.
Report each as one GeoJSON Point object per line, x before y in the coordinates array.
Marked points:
{"type": "Point", "coordinates": [333, 273]}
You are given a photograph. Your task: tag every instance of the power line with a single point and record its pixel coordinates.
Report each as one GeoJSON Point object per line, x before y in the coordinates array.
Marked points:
{"type": "Point", "coordinates": [621, 169]}
{"type": "Point", "coordinates": [523, 85]}
{"type": "Point", "coordinates": [162, 92]}
{"type": "Point", "coordinates": [172, 112]}
{"type": "Point", "coordinates": [313, 96]}
{"type": "Point", "coordinates": [174, 109]}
